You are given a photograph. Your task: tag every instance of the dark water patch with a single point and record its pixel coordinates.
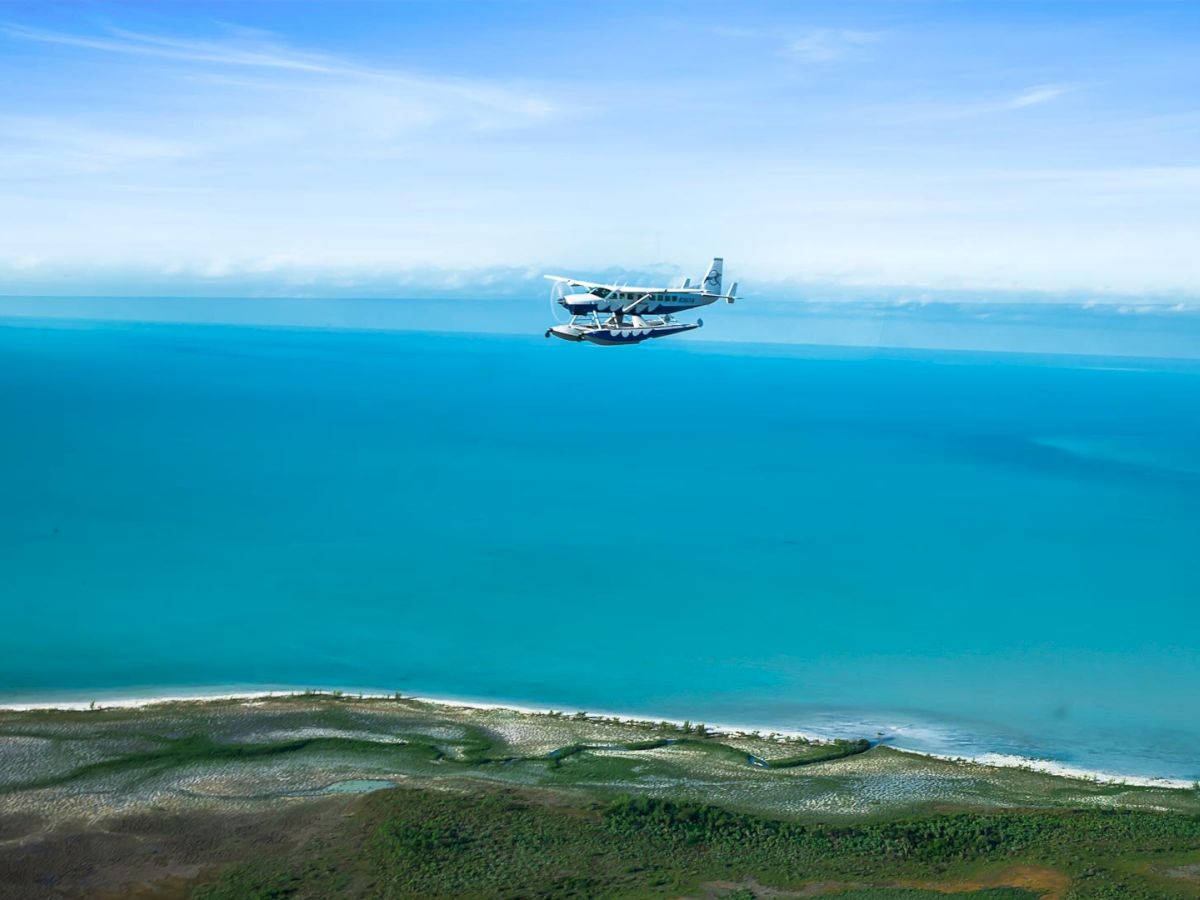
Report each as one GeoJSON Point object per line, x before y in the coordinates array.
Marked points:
{"type": "Point", "coordinates": [1031, 454]}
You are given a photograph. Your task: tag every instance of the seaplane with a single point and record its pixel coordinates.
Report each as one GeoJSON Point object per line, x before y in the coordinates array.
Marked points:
{"type": "Point", "coordinates": [615, 314]}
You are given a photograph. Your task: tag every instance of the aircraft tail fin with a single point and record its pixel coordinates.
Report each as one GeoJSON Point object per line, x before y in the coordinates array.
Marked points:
{"type": "Point", "coordinates": [712, 278]}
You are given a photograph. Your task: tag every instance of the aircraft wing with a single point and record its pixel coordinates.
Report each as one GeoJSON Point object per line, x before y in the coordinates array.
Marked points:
{"type": "Point", "coordinates": [575, 282]}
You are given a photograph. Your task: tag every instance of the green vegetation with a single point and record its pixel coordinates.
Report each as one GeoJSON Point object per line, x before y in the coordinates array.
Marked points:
{"type": "Point", "coordinates": [415, 843]}
{"type": "Point", "coordinates": [819, 753]}
{"type": "Point", "coordinates": [1051, 836]}
{"type": "Point", "coordinates": [500, 803]}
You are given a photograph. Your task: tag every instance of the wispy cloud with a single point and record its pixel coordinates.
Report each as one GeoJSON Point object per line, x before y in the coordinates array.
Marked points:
{"type": "Point", "coordinates": [825, 45]}
{"type": "Point", "coordinates": [486, 103]}
{"type": "Point", "coordinates": [1036, 96]}
{"type": "Point", "coordinates": [828, 139]}
{"type": "Point", "coordinates": [26, 140]}
{"type": "Point", "coordinates": [814, 45]}
{"type": "Point", "coordinates": [245, 93]}
{"type": "Point", "coordinates": [266, 55]}
{"type": "Point", "coordinates": [1181, 183]}
{"type": "Point", "coordinates": [926, 110]}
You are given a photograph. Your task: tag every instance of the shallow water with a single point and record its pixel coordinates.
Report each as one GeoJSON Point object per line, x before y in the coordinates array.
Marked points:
{"type": "Point", "coordinates": [952, 552]}
{"type": "Point", "coordinates": [357, 786]}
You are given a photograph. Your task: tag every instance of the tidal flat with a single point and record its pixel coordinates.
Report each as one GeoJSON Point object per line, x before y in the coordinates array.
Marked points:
{"type": "Point", "coordinates": [182, 798]}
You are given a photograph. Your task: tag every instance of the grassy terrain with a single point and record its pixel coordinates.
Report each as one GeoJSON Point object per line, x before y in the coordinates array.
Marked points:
{"type": "Point", "coordinates": [418, 843]}
{"type": "Point", "coordinates": [496, 802]}
{"type": "Point", "coordinates": [237, 751]}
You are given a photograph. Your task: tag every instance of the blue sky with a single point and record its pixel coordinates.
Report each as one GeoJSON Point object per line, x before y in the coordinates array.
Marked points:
{"type": "Point", "coordinates": [964, 149]}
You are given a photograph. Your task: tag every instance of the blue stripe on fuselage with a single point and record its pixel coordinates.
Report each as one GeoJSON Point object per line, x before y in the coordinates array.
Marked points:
{"type": "Point", "coordinates": [650, 307]}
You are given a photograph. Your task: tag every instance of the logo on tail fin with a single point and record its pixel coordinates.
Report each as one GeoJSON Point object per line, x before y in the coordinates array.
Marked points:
{"type": "Point", "coordinates": [712, 278]}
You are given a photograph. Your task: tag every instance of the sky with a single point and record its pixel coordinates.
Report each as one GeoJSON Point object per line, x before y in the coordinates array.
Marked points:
{"type": "Point", "coordinates": [945, 149]}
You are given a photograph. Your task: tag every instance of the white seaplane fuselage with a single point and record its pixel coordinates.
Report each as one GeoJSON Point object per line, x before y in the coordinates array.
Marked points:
{"type": "Point", "coordinates": [611, 314]}
{"type": "Point", "coordinates": [637, 301]}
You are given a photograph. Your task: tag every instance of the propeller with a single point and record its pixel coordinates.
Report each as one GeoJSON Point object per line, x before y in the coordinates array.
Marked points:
{"type": "Point", "coordinates": [558, 290]}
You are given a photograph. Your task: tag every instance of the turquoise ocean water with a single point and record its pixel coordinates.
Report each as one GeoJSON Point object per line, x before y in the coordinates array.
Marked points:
{"type": "Point", "coordinates": [954, 552]}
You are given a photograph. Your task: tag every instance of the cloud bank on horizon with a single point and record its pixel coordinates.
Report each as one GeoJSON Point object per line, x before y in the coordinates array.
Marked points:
{"type": "Point", "coordinates": [343, 148]}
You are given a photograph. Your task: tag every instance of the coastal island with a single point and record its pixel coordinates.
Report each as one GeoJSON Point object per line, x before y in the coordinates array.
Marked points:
{"type": "Point", "coordinates": [322, 794]}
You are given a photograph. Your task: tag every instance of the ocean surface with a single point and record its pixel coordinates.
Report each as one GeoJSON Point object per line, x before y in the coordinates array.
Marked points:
{"type": "Point", "coordinates": [954, 552]}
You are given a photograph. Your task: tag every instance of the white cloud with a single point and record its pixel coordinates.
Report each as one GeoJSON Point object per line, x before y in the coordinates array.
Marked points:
{"type": "Point", "coordinates": [925, 110]}
{"type": "Point", "coordinates": [264, 55]}
{"type": "Point", "coordinates": [76, 147]}
{"type": "Point", "coordinates": [1180, 182]}
{"type": "Point", "coordinates": [236, 151]}
{"type": "Point", "coordinates": [1036, 96]}
{"type": "Point", "coordinates": [240, 100]}
{"type": "Point", "coordinates": [823, 45]}
{"type": "Point", "coordinates": [815, 45]}
{"type": "Point", "coordinates": [484, 103]}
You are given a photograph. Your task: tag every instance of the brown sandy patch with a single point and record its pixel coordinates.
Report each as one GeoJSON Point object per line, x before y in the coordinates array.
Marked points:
{"type": "Point", "coordinates": [154, 854]}
{"type": "Point", "coordinates": [1049, 884]}
{"type": "Point", "coordinates": [1187, 873]}
{"type": "Point", "coordinates": [716, 889]}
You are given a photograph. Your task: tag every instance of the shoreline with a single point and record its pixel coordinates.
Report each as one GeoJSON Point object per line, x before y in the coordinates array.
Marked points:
{"type": "Point", "coordinates": [986, 758]}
